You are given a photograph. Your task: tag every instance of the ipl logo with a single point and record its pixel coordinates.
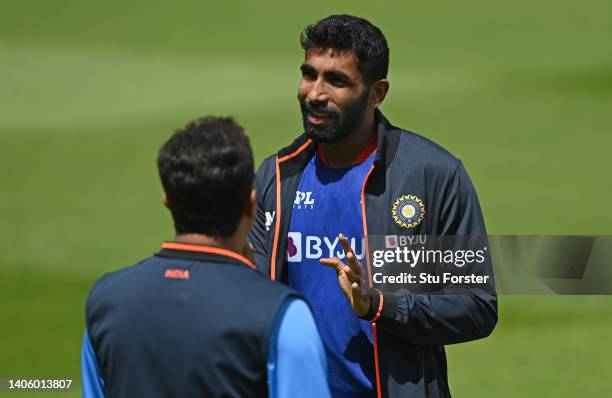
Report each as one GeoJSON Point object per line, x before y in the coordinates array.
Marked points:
{"type": "Point", "coordinates": [303, 200]}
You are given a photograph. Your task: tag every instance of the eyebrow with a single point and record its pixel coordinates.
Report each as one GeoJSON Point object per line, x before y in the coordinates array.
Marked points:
{"type": "Point", "coordinates": [306, 68]}
{"type": "Point", "coordinates": [333, 74]}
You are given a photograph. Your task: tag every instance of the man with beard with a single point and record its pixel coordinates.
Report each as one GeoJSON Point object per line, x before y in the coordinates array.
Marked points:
{"type": "Point", "coordinates": [351, 173]}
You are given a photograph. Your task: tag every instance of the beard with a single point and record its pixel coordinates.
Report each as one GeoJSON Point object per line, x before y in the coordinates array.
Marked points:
{"type": "Point", "coordinates": [339, 125]}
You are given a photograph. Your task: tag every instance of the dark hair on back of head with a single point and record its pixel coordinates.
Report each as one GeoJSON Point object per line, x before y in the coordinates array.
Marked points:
{"type": "Point", "coordinates": [349, 33]}
{"type": "Point", "coordinates": [207, 172]}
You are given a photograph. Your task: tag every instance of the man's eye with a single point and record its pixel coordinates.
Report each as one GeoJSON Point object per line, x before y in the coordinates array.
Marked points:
{"type": "Point", "coordinates": [337, 82]}
{"type": "Point", "coordinates": [309, 76]}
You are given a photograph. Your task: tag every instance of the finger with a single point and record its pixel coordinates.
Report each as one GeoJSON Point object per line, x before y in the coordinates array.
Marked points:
{"type": "Point", "coordinates": [354, 263]}
{"type": "Point", "coordinates": [345, 244]}
{"type": "Point", "coordinates": [343, 279]}
{"type": "Point", "coordinates": [350, 254]}
{"type": "Point", "coordinates": [352, 277]}
{"type": "Point", "coordinates": [333, 262]}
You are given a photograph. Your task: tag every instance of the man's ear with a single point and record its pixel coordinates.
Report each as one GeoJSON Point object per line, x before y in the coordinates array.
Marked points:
{"type": "Point", "coordinates": [165, 201]}
{"type": "Point", "coordinates": [251, 208]}
{"type": "Point", "coordinates": [378, 92]}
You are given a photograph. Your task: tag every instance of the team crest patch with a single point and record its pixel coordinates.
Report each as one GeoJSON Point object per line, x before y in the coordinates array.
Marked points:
{"type": "Point", "coordinates": [408, 211]}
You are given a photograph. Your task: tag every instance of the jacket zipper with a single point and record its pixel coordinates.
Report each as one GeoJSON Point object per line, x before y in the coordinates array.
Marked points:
{"type": "Point", "coordinates": [365, 239]}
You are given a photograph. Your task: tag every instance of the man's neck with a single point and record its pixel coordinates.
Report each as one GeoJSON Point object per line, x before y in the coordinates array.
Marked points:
{"type": "Point", "coordinates": [343, 153]}
{"type": "Point", "coordinates": [232, 243]}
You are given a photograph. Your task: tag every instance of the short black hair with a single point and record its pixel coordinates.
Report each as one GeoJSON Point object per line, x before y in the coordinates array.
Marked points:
{"type": "Point", "coordinates": [206, 169]}
{"type": "Point", "coordinates": [349, 33]}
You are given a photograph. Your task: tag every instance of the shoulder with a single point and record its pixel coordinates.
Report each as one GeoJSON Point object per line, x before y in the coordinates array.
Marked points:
{"type": "Point", "coordinates": [267, 167]}
{"type": "Point", "coordinates": [261, 285]}
{"type": "Point", "coordinates": [114, 284]}
{"type": "Point", "coordinates": [112, 278]}
{"type": "Point", "coordinates": [416, 150]}
{"type": "Point", "coordinates": [251, 282]}
{"type": "Point", "coordinates": [265, 178]}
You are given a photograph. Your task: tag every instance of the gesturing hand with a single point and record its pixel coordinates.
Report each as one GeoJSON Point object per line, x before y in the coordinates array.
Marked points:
{"type": "Point", "coordinates": [349, 277]}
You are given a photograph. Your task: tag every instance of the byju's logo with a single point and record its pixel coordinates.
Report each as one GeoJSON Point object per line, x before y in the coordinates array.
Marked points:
{"type": "Point", "coordinates": [305, 247]}
{"type": "Point", "coordinates": [303, 200]}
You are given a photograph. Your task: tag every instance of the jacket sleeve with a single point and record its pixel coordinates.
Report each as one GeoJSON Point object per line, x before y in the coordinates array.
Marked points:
{"type": "Point", "coordinates": [441, 319]}
{"type": "Point", "coordinates": [263, 222]}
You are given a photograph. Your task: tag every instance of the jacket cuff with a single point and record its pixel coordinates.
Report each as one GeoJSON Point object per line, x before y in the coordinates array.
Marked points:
{"type": "Point", "coordinates": [382, 306]}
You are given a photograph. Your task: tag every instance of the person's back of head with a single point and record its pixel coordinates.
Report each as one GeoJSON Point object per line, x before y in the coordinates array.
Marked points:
{"type": "Point", "coordinates": [206, 169]}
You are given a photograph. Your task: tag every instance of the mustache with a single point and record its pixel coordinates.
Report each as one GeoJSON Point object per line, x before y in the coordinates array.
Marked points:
{"type": "Point", "coordinates": [318, 108]}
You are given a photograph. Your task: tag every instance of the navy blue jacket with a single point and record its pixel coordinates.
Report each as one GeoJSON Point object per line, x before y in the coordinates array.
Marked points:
{"type": "Point", "coordinates": [410, 330]}
{"type": "Point", "coordinates": [192, 321]}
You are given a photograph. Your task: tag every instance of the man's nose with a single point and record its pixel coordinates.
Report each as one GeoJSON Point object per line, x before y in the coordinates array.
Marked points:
{"type": "Point", "coordinates": [318, 92]}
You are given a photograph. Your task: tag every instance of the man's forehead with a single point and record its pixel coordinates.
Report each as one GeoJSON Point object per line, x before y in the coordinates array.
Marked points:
{"type": "Point", "coordinates": [328, 58]}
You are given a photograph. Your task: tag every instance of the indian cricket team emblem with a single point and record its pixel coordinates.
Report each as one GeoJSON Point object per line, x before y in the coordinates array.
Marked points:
{"type": "Point", "coordinates": [408, 211]}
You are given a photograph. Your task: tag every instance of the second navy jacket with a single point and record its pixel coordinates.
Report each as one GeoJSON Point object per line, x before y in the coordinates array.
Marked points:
{"type": "Point", "coordinates": [410, 330]}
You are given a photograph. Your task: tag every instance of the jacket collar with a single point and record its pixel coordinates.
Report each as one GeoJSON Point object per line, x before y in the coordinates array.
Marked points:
{"type": "Point", "coordinates": [388, 140]}
{"type": "Point", "coordinates": [201, 253]}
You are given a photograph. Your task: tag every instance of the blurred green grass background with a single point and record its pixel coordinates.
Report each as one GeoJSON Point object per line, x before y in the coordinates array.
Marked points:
{"type": "Point", "coordinates": [520, 91]}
